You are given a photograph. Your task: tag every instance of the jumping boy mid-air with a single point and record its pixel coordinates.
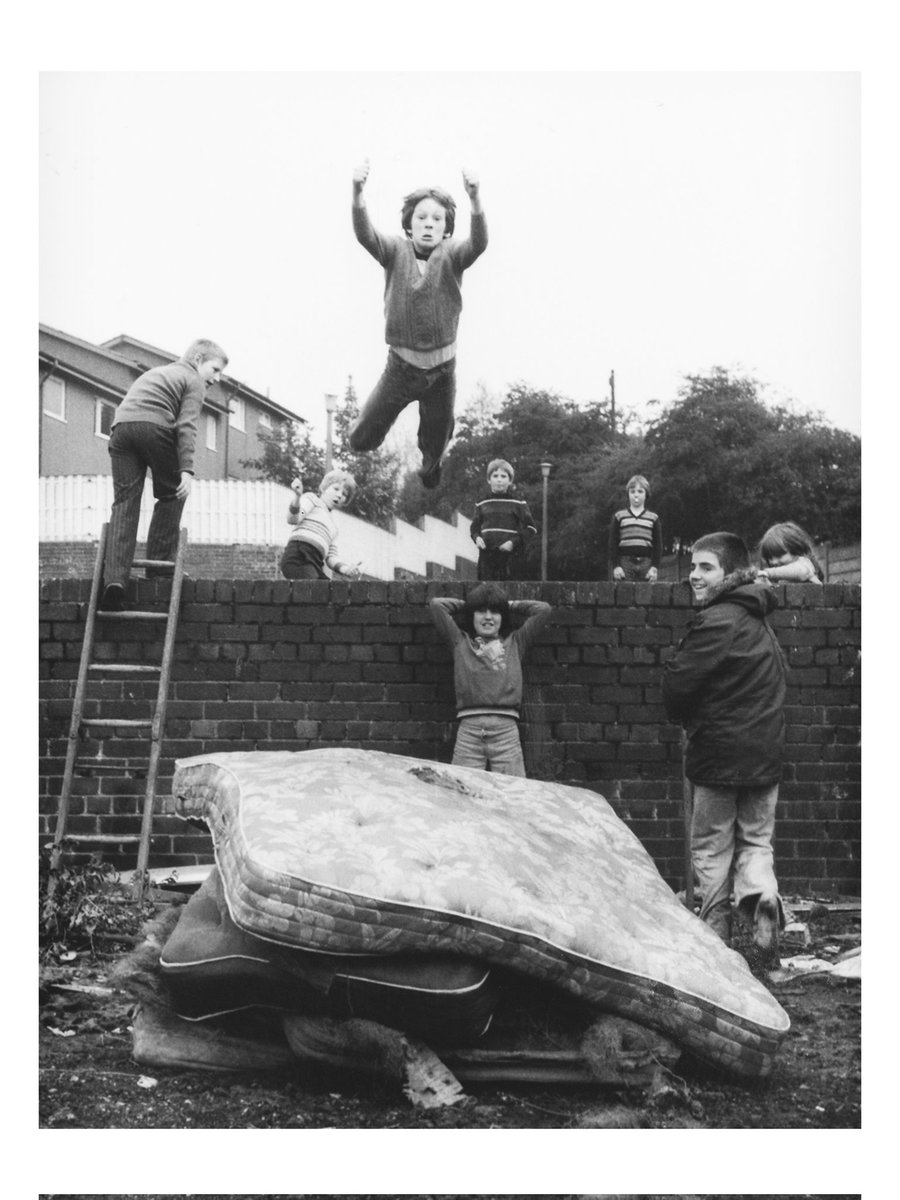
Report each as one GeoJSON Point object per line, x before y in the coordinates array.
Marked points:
{"type": "Point", "coordinates": [422, 301]}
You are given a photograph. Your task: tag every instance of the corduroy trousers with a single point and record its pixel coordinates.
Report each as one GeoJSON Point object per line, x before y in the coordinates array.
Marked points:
{"type": "Point", "coordinates": [134, 448]}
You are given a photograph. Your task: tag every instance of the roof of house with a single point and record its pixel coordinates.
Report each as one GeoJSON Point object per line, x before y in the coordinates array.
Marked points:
{"type": "Point", "coordinates": [114, 364]}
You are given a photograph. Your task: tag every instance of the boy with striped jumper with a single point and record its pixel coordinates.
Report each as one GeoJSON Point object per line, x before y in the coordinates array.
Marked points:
{"type": "Point", "coordinates": [501, 524]}
{"type": "Point", "coordinates": [313, 544]}
{"type": "Point", "coordinates": [635, 536]}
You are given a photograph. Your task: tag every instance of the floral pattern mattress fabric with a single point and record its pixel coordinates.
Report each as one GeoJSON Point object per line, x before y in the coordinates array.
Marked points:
{"type": "Point", "coordinates": [351, 851]}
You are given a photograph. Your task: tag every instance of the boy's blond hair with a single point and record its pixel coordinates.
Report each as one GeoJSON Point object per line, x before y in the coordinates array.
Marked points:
{"type": "Point", "coordinates": [338, 476]}
{"type": "Point", "coordinates": [638, 481]}
{"type": "Point", "coordinates": [202, 350]}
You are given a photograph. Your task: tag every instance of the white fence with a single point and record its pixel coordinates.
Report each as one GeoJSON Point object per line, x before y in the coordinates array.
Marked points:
{"type": "Point", "coordinates": [230, 512]}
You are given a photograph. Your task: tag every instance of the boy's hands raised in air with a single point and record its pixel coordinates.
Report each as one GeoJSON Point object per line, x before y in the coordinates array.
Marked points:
{"type": "Point", "coordinates": [360, 175]}
{"type": "Point", "coordinates": [471, 184]}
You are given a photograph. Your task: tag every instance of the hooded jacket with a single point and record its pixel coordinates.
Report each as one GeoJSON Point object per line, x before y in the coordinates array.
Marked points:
{"type": "Point", "coordinates": [726, 685]}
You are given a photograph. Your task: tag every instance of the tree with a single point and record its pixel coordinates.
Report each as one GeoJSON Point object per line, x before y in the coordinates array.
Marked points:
{"type": "Point", "coordinates": [377, 472]}
{"type": "Point", "coordinates": [531, 426]}
{"type": "Point", "coordinates": [288, 452]}
{"type": "Point", "coordinates": [719, 458]}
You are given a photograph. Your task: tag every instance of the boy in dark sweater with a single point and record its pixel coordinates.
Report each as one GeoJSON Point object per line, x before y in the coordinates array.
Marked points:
{"type": "Point", "coordinates": [635, 536]}
{"type": "Point", "coordinates": [155, 427]}
{"type": "Point", "coordinates": [422, 302]}
{"type": "Point", "coordinates": [487, 673]}
{"type": "Point", "coordinates": [726, 685]}
{"type": "Point", "coordinates": [501, 525]}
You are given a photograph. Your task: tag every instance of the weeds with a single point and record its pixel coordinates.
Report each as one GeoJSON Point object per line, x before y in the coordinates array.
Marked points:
{"type": "Point", "coordinates": [88, 905]}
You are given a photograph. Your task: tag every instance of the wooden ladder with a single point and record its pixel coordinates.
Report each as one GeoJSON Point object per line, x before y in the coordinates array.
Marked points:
{"type": "Point", "coordinates": [79, 725]}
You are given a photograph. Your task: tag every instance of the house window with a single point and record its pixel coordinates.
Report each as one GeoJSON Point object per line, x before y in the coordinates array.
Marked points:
{"type": "Point", "coordinates": [265, 420]}
{"type": "Point", "coordinates": [212, 431]}
{"type": "Point", "coordinates": [54, 394]}
{"type": "Point", "coordinates": [104, 414]}
{"type": "Point", "coordinates": [236, 414]}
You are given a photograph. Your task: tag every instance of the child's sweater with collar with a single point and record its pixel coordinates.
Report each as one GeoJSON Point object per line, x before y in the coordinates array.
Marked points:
{"type": "Point", "coordinates": [502, 517]}
{"type": "Point", "coordinates": [421, 309]}
{"type": "Point", "coordinates": [634, 533]}
{"type": "Point", "coordinates": [170, 396]}
{"type": "Point", "coordinates": [488, 676]}
{"type": "Point", "coordinates": [316, 527]}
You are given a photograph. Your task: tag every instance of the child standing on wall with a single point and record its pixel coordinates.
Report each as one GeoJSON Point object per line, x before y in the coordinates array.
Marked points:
{"type": "Point", "coordinates": [635, 536]}
{"type": "Point", "coordinates": [725, 684]}
{"type": "Point", "coordinates": [787, 555]}
{"type": "Point", "coordinates": [313, 544]}
{"type": "Point", "coordinates": [487, 673]}
{"type": "Point", "coordinates": [501, 525]}
{"type": "Point", "coordinates": [422, 301]}
{"type": "Point", "coordinates": [155, 428]}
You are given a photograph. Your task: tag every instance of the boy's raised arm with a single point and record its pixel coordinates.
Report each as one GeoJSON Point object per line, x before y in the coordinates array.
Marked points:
{"type": "Point", "coordinates": [442, 609]}
{"type": "Point", "coordinates": [476, 243]}
{"type": "Point", "coordinates": [536, 613]}
{"type": "Point", "coordinates": [366, 233]}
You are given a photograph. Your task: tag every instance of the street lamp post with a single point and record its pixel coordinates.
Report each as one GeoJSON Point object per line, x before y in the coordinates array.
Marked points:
{"type": "Point", "coordinates": [545, 472]}
{"type": "Point", "coordinates": [330, 406]}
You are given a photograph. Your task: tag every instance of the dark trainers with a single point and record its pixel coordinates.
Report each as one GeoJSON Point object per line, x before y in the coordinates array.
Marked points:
{"type": "Point", "coordinates": [113, 598]}
{"type": "Point", "coordinates": [765, 923]}
{"type": "Point", "coordinates": [430, 476]}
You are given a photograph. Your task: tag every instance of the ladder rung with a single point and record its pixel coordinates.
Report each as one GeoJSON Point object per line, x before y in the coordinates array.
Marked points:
{"type": "Point", "coordinates": [115, 723]}
{"type": "Point", "coordinates": [129, 615]}
{"type": "Point", "coordinates": [121, 668]}
{"type": "Point", "coordinates": [112, 839]}
{"type": "Point", "coordinates": [157, 563]}
{"type": "Point", "coordinates": [81, 727]}
{"type": "Point", "coordinates": [107, 768]}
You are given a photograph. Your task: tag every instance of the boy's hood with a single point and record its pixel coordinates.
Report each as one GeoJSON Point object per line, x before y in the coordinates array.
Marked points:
{"type": "Point", "coordinates": [744, 588]}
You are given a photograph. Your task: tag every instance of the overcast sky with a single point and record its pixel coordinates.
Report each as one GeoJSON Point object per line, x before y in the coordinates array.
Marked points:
{"type": "Point", "coordinates": [654, 224]}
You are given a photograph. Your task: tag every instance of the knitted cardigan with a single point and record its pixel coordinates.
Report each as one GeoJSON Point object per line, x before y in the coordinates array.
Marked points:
{"type": "Point", "coordinates": [421, 310]}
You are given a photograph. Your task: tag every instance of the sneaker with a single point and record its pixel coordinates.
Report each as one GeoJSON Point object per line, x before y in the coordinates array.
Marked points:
{"type": "Point", "coordinates": [113, 598]}
{"type": "Point", "coordinates": [430, 476]}
{"type": "Point", "coordinates": [765, 923]}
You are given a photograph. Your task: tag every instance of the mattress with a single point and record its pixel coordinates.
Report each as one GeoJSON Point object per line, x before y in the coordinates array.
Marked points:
{"type": "Point", "coordinates": [357, 852]}
{"type": "Point", "coordinates": [212, 969]}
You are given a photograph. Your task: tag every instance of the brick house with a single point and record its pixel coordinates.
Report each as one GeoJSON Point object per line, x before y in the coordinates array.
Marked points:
{"type": "Point", "coordinates": [80, 385]}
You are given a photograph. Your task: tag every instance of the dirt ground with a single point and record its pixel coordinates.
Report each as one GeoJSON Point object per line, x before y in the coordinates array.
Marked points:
{"type": "Point", "coordinates": [88, 1079]}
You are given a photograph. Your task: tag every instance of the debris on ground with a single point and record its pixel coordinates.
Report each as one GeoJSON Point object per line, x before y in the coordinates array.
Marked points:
{"type": "Point", "coordinates": [89, 1078]}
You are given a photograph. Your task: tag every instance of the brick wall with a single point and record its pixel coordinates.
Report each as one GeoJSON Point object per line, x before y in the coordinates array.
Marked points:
{"type": "Point", "coordinates": [273, 665]}
{"type": "Point", "coordinates": [212, 560]}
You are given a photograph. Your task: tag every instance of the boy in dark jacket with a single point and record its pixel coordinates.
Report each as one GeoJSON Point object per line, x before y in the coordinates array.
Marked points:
{"type": "Point", "coordinates": [725, 684]}
{"type": "Point", "coordinates": [501, 525]}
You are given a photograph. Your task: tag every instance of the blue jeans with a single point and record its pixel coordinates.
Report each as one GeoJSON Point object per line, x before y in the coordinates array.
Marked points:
{"type": "Point", "coordinates": [400, 385]}
{"type": "Point", "coordinates": [489, 742]}
{"type": "Point", "coordinates": [731, 850]}
{"type": "Point", "coordinates": [135, 446]}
